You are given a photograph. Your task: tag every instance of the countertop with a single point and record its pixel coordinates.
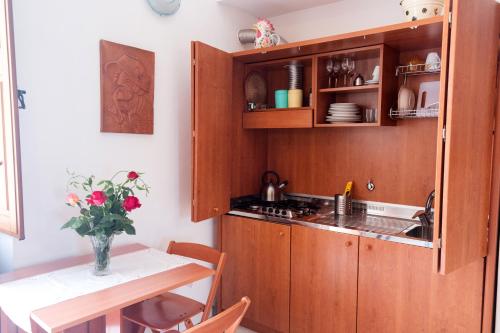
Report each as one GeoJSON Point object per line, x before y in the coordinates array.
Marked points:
{"type": "Point", "coordinates": [360, 224]}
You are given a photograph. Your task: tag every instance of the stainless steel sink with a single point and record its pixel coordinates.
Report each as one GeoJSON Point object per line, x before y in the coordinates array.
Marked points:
{"type": "Point", "coordinates": [420, 232]}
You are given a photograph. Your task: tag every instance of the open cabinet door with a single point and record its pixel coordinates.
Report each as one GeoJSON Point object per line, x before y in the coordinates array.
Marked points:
{"type": "Point", "coordinates": [212, 72]}
{"type": "Point", "coordinates": [466, 121]}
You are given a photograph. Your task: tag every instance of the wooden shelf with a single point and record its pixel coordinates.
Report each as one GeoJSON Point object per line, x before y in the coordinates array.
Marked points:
{"type": "Point", "coordinates": [368, 87]}
{"type": "Point", "coordinates": [279, 118]}
{"type": "Point", "coordinates": [281, 109]}
{"type": "Point", "coordinates": [347, 125]}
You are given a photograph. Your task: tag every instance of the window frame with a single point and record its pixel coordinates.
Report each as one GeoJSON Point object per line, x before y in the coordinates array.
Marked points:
{"type": "Point", "coordinates": [12, 220]}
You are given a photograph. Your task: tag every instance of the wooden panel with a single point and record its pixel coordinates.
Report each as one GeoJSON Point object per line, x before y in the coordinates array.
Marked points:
{"type": "Point", "coordinates": [491, 259]}
{"type": "Point", "coordinates": [11, 207]}
{"type": "Point", "coordinates": [393, 287]}
{"type": "Point", "coordinates": [212, 74]}
{"type": "Point", "coordinates": [249, 148]}
{"type": "Point", "coordinates": [291, 118]}
{"type": "Point", "coordinates": [324, 274]}
{"type": "Point", "coordinates": [258, 266]}
{"type": "Point", "coordinates": [127, 88]}
{"type": "Point", "coordinates": [398, 36]}
{"type": "Point", "coordinates": [457, 299]}
{"type": "Point", "coordinates": [397, 291]}
{"type": "Point", "coordinates": [399, 159]}
{"type": "Point", "coordinates": [468, 148]}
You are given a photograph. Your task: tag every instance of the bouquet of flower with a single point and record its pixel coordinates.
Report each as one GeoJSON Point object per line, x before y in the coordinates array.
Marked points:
{"type": "Point", "coordinates": [104, 212]}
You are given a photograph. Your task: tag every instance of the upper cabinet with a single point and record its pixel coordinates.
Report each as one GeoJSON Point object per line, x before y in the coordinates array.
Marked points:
{"type": "Point", "coordinates": [212, 77]}
{"type": "Point", "coordinates": [316, 155]}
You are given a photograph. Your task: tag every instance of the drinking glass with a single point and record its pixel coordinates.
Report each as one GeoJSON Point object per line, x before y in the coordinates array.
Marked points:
{"type": "Point", "coordinates": [336, 72]}
{"type": "Point", "coordinates": [329, 69]}
{"type": "Point", "coordinates": [351, 66]}
{"type": "Point", "coordinates": [345, 69]}
{"type": "Point", "coordinates": [370, 115]}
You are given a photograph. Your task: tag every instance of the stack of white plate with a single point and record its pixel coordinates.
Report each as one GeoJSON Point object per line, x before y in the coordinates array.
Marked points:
{"type": "Point", "coordinates": [344, 113]}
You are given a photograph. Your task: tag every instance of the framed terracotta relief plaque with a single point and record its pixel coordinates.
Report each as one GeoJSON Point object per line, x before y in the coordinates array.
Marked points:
{"type": "Point", "coordinates": [127, 89]}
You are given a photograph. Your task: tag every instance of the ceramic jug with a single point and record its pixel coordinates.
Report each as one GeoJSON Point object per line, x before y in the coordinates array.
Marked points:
{"type": "Point", "coordinates": [265, 34]}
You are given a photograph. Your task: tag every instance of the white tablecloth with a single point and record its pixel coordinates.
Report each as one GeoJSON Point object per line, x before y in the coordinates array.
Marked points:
{"type": "Point", "coordinates": [21, 297]}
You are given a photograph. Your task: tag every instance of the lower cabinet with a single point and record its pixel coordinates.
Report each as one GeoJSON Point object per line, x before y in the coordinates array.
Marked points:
{"type": "Point", "coordinates": [324, 281]}
{"type": "Point", "coordinates": [304, 280]}
{"type": "Point", "coordinates": [397, 291]}
{"type": "Point", "coordinates": [258, 266]}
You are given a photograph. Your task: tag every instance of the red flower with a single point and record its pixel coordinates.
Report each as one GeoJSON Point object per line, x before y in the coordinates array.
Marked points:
{"type": "Point", "coordinates": [132, 175]}
{"type": "Point", "coordinates": [97, 198]}
{"type": "Point", "coordinates": [130, 203]}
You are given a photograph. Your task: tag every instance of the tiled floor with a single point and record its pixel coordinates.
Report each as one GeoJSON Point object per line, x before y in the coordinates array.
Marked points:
{"type": "Point", "coordinates": [244, 330]}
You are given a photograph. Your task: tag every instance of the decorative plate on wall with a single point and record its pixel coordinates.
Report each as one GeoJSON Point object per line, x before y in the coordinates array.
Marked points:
{"type": "Point", "coordinates": [165, 7]}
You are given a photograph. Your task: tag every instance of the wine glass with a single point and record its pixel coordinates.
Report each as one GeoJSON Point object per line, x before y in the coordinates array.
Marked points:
{"type": "Point", "coordinates": [336, 72]}
{"type": "Point", "coordinates": [329, 69]}
{"type": "Point", "coordinates": [345, 69]}
{"type": "Point", "coordinates": [351, 66]}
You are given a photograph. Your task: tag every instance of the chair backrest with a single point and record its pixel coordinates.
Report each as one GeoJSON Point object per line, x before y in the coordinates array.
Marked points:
{"type": "Point", "coordinates": [227, 321]}
{"type": "Point", "coordinates": [203, 253]}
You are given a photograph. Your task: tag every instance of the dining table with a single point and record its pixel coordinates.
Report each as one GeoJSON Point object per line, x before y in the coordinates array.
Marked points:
{"type": "Point", "coordinates": [64, 295]}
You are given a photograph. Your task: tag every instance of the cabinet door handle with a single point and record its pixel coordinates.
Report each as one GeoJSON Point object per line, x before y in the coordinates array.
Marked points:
{"type": "Point", "coordinates": [348, 243]}
{"type": "Point", "coordinates": [282, 234]}
{"type": "Point", "coordinates": [369, 247]}
{"type": "Point", "coordinates": [216, 209]}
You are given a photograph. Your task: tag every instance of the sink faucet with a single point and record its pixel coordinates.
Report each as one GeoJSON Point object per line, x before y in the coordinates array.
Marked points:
{"type": "Point", "coordinates": [426, 216]}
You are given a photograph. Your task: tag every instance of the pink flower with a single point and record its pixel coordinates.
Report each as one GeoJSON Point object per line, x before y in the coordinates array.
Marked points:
{"type": "Point", "coordinates": [97, 198]}
{"type": "Point", "coordinates": [72, 199]}
{"type": "Point", "coordinates": [130, 203]}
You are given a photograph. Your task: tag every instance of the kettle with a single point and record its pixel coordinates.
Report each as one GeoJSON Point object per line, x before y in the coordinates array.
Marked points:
{"type": "Point", "coordinates": [271, 186]}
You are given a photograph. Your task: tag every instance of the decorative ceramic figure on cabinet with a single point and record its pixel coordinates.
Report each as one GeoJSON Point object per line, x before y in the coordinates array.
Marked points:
{"type": "Point", "coordinates": [420, 9]}
{"type": "Point", "coordinates": [104, 212]}
{"type": "Point", "coordinates": [265, 36]}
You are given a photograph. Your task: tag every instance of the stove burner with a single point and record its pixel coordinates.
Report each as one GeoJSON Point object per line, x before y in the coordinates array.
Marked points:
{"type": "Point", "coordinates": [254, 207]}
{"type": "Point", "coordinates": [287, 209]}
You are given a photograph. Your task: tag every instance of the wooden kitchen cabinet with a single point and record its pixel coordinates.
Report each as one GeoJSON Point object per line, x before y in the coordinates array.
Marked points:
{"type": "Point", "coordinates": [324, 273]}
{"type": "Point", "coordinates": [258, 266]}
{"type": "Point", "coordinates": [397, 291]}
{"type": "Point", "coordinates": [450, 154]}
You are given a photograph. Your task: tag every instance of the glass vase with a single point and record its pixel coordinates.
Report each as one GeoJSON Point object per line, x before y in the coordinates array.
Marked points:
{"type": "Point", "coordinates": [102, 247]}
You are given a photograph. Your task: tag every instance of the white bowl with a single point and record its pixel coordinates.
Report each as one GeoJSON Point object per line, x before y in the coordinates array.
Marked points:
{"type": "Point", "coordinates": [420, 9]}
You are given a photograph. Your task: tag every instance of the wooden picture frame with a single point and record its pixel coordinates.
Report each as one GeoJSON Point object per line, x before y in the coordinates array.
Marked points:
{"type": "Point", "coordinates": [127, 89]}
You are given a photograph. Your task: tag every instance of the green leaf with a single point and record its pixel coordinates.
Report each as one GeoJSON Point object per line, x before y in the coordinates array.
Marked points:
{"type": "Point", "coordinates": [73, 223]}
{"type": "Point", "coordinates": [83, 230]}
{"type": "Point", "coordinates": [129, 229]}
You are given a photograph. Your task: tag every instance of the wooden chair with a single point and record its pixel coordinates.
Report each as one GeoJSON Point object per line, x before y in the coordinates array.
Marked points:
{"type": "Point", "coordinates": [227, 321]}
{"type": "Point", "coordinates": [168, 310]}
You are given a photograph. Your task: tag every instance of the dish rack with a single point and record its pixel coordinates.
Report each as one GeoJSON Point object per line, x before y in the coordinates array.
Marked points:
{"type": "Point", "coordinates": [411, 114]}
{"type": "Point", "coordinates": [418, 69]}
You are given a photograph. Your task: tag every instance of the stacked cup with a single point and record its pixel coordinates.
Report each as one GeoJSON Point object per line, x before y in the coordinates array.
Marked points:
{"type": "Point", "coordinates": [295, 83]}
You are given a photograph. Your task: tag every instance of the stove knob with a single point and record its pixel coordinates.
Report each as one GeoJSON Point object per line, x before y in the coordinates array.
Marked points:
{"type": "Point", "coordinates": [277, 211]}
{"type": "Point", "coordinates": [269, 210]}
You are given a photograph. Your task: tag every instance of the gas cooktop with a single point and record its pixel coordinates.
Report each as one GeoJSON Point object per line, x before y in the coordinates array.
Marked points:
{"type": "Point", "coordinates": [287, 209]}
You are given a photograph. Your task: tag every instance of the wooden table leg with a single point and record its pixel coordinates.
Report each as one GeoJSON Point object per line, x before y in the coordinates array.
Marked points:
{"type": "Point", "coordinates": [113, 322]}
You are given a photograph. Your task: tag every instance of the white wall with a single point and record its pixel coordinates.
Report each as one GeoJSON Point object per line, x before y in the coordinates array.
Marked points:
{"type": "Point", "coordinates": [339, 17]}
{"type": "Point", "coordinates": [57, 51]}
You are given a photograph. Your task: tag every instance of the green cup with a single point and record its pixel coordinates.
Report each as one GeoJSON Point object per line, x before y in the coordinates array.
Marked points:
{"type": "Point", "coordinates": [281, 99]}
